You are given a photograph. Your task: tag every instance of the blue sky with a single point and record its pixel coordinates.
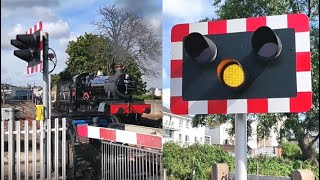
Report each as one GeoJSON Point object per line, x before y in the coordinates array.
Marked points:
{"type": "Point", "coordinates": [177, 12]}
{"type": "Point", "coordinates": [64, 21]}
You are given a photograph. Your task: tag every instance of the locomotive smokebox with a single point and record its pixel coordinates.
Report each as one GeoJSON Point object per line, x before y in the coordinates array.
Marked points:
{"type": "Point", "coordinates": [120, 85]}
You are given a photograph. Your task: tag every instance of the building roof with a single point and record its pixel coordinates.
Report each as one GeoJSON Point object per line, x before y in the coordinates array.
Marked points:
{"type": "Point", "coordinates": [167, 110]}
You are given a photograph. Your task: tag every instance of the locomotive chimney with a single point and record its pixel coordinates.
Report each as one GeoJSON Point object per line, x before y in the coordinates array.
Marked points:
{"type": "Point", "coordinates": [119, 68]}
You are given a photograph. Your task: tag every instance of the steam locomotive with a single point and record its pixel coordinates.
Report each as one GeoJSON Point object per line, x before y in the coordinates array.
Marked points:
{"type": "Point", "coordinates": [91, 95]}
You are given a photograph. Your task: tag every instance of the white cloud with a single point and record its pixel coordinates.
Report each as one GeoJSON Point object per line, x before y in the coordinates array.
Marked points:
{"type": "Point", "coordinates": [183, 9]}
{"type": "Point", "coordinates": [155, 23]}
{"type": "Point", "coordinates": [3, 70]}
{"type": "Point", "coordinates": [166, 98]}
{"type": "Point", "coordinates": [33, 13]}
{"type": "Point", "coordinates": [5, 13]}
{"type": "Point", "coordinates": [15, 71]}
{"type": "Point", "coordinates": [9, 34]}
{"type": "Point", "coordinates": [45, 13]}
{"type": "Point", "coordinates": [65, 41]}
{"type": "Point", "coordinates": [164, 74]}
{"type": "Point", "coordinates": [57, 29]}
{"type": "Point", "coordinates": [29, 3]}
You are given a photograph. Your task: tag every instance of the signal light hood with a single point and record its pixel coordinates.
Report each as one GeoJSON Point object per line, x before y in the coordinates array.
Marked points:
{"type": "Point", "coordinates": [200, 48]}
{"type": "Point", "coordinates": [266, 44]}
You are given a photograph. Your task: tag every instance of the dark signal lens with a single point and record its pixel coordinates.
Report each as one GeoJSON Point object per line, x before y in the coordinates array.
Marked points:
{"type": "Point", "coordinates": [266, 44]}
{"type": "Point", "coordinates": [200, 48]}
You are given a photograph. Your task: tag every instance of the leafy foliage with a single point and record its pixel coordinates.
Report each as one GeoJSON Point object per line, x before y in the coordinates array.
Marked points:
{"type": "Point", "coordinates": [291, 150]}
{"type": "Point", "coordinates": [89, 53]}
{"type": "Point", "coordinates": [181, 161]}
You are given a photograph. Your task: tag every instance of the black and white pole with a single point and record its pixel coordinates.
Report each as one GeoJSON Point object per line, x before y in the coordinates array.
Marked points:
{"type": "Point", "coordinates": [241, 146]}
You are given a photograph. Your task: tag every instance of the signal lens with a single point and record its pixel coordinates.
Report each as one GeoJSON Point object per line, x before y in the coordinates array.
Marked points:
{"type": "Point", "coordinates": [233, 75]}
{"type": "Point", "coordinates": [266, 44]}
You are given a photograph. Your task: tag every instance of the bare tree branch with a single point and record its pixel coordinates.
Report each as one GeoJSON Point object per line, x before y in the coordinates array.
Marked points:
{"type": "Point", "coordinates": [313, 141]}
{"type": "Point", "coordinates": [309, 8]}
{"type": "Point", "coordinates": [130, 36]}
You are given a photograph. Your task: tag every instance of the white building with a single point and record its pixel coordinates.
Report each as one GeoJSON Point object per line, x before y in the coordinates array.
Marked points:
{"type": "Point", "coordinates": [219, 133]}
{"type": "Point", "coordinates": [155, 92]}
{"type": "Point", "coordinates": [179, 129]}
{"type": "Point", "coordinates": [10, 92]}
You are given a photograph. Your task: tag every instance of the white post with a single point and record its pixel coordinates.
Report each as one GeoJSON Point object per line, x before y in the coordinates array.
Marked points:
{"type": "Point", "coordinates": [241, 146]}
{"type": "Point", "coordinates": [49, 103]}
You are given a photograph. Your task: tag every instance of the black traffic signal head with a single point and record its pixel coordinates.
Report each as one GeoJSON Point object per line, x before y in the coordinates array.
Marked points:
{"type": "Point", "coordinates": [29, 47]}
{"type": "Point", "coordinates": [243, 65]}
{"type": "Point", "coordinates": [265, 43]}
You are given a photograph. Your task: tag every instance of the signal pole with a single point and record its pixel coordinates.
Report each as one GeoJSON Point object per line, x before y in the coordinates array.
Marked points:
{"type": "Point", "coordinates": [45, 91]}
{"type": "Point", "coordinates": [241, 146]}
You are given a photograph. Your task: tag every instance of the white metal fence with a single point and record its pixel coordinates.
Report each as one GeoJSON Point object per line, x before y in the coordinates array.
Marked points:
{"type": "Point", "coordinates": [122, 162]}
{"type": "Point", "coordinates": [18, 162]}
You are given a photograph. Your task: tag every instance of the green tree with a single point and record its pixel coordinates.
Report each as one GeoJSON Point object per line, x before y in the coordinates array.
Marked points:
{"type": "Point", "coordinates": [300, 126]}
{"type": "Point", "coordinates": [89, 53]}
{"type": "Point", "coordinates": [291, 150]}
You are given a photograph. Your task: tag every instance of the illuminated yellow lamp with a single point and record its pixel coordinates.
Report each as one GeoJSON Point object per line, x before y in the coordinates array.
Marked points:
{"type": "Point", "coordinates": [231, 73]}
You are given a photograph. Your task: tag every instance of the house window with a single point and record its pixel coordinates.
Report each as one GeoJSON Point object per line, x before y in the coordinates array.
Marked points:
{"type": "Point", "coordinates": [168, 133]}
{"type": "Point", "coordinates": [180, 137]}
{"type": "Point", "coordinates": [187, 138]}
{"type": "Point", "coordinates": [180, 122]}
{"type": "Point", "coordinates": [207, 140]}
{"type": "Point", "coordinates": [187, 124]}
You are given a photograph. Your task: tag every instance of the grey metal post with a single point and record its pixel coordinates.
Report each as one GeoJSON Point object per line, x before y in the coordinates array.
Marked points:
{"type": "Point", "coordinates": [241, 146]}
{"type": "Point", "coordinates": [45, 89]}
{"type": "Point", "coordinates": [46, 74]}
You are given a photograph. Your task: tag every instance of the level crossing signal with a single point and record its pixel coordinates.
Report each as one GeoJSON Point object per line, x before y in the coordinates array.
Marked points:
{"type": "Point", "coordinates": [250, 65]}
{"type": "Point", "coordinates": [29, 47]}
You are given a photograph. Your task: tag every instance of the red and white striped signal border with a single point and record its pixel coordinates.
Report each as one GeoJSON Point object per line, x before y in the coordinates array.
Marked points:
{"type": "Point", "coordinates": [38, 67]}
{"type": "Point", "coordinates": [301, 103]}
{"type": "Point", "coordinates": [115, 135]}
